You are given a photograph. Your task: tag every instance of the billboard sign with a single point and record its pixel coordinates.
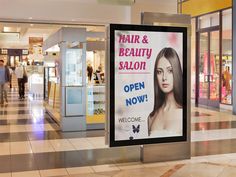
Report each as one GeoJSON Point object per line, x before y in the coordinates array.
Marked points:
{"type": "Point", "coordinates": [148, 89]}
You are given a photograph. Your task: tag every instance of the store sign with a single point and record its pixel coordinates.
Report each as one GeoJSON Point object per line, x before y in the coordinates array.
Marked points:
{"type": "Point", "coordinates": [148, 84]}
{"type": "Point", "coordinates": [35, 49]}
{"type": "Point", "coordinates": [35, 45]}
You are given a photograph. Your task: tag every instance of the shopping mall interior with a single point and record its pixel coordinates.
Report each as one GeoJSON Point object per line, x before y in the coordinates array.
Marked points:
{"type": "Point", "coordinates": [60, 127]}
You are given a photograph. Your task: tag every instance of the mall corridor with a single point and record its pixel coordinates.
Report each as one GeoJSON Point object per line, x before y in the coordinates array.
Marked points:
{"type": "Point", "coordinates": [33, 146]}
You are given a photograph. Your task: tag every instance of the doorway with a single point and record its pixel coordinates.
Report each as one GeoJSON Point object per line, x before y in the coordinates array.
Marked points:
{"type": "Point", "coordinates": [13, 60]}
{"type": "Point", "coordinates": [209, 68]}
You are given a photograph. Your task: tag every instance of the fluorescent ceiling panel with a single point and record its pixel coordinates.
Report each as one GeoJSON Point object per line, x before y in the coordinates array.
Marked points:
{"type": "Point", "coordinates": [6, 29]}
{"type": "Point", "coordinates": [10, 36]}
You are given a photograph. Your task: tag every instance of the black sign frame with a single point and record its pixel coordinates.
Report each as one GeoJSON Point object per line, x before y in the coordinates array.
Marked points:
{"type": "Point", "coordinates": [120, 27]}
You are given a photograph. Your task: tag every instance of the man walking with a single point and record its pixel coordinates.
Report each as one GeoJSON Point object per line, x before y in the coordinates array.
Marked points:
{"type": "Point", "coordinates": [4, 79]}
{"type": "Point", "coordinates": [19, 71]}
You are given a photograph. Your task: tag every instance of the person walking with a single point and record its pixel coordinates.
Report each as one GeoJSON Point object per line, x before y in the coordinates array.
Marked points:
{"type": "Point", "coordinates": [19, 71]}
{"type": "Point", "coordinates": [89, 72]}
{"type": "Point", "coordinates": [4, 79]}
{"type": "Point", "coordinates": [10, 81]}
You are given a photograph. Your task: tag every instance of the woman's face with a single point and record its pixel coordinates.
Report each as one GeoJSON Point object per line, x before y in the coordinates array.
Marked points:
{"type": "Point", "coordinates": [165, 75]}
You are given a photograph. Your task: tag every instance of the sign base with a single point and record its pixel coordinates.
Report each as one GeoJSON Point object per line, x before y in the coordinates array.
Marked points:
{"type": "Point", "coordinates": [165, 152]}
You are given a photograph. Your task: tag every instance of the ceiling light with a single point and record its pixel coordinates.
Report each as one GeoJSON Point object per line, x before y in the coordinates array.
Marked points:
{"type": "Point", "coordinates": [6, 29]}
{"type": "Point", "coordinates": [9, 36]}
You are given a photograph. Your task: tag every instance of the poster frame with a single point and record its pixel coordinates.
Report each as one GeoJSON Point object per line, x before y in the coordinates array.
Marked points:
{"type": "Point", "coordinates": [124, 27]}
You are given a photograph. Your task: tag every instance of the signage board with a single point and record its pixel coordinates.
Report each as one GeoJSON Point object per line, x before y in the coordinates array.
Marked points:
{"type": "Point", "coordinates": [148, 84]}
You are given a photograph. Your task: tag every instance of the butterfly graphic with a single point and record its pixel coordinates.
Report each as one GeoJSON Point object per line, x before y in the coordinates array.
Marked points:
{"type": "Point", "coordinates": [136, 129]}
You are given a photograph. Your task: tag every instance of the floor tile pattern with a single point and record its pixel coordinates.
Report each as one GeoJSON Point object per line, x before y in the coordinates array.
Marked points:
{"type": "Point", "coordinates": [32, 145]}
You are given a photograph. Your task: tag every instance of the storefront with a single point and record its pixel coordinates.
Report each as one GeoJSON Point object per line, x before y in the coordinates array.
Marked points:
{"type": "Point", "coordinates": [214, 58]}
{"type": "Point", "coordinates": [70, 75]}
{"type": "Point", "coordinates": [211, 55]}
{"type": "Point", "coordinates": [74, 80]}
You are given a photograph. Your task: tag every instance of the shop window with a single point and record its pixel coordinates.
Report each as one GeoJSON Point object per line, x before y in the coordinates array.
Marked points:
{"type": "Point", "coordinates": [4, 51]}
{"type": "Point", "coordinates": [25, 52]}
{"type": "Point", "coordinates": [203, 66]}
{"type": "Point", "coordinates": [193, 55]}
{"type": "Point", "coordinates": [226, 81]}
{"type": "Point", "coordinates": [95, 87]}
{"type": "Point", "coordinates": [209, 20]}
{"type": "Point", "coordinates": [74, 66]}
{"type": "Point", "coordinates": [214, 69]}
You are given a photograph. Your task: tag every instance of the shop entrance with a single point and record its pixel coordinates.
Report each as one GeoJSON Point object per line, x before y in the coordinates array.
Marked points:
{"type": "Point", "coordinates": [209, 67]}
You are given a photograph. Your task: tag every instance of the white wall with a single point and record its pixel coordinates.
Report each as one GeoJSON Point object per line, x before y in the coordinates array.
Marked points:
{"type": "Point", "coordinates": [82, 11]}
{"type": "Point", "coordinates": [162, 6]}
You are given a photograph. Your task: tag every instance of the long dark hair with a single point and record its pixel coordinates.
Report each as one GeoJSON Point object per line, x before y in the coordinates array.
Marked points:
{"type": "Point", "coordinates": [159, 97]}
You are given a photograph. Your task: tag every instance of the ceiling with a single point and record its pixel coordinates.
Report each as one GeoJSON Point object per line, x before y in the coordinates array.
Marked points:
{"type": "Point", "coordinates": [16, 35]}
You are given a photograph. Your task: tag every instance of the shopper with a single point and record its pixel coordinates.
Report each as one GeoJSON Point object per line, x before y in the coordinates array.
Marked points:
{"type": "Point", "coordinates": [4, 79]}
{"type": "Point", "coordinates": [10, 81]}
{"type": "Point", "coordinates": [19, 71]}
{"type": "Point", "coordinates": [89, 72]}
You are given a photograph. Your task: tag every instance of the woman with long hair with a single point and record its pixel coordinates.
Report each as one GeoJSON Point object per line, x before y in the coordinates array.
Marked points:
{"type": "Point", "coordinates": [168, 92]}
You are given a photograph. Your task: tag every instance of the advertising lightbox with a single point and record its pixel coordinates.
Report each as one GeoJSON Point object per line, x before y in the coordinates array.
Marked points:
{"type": "Point", "coordinates": [148, 89]}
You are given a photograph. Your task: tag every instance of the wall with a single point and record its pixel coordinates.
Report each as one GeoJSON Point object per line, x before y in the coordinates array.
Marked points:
{"type": "Point", "coordinates": [162, 6]}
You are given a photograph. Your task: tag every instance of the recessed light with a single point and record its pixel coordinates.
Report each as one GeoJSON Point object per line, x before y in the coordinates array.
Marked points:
{"type": "Point", "coordinates": [30, 18]}
{"type": "Point", "coordinates": [31, 24]}
{"type": "Point", "coordinates": [6, 29]}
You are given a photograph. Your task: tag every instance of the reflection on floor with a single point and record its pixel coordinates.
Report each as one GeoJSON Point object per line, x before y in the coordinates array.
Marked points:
{"type": "Point", "coordinates": [31, 145]}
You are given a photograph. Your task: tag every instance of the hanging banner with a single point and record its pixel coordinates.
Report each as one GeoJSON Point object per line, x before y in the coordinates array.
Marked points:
{"type": "Point", "coordinates": [148, 89]}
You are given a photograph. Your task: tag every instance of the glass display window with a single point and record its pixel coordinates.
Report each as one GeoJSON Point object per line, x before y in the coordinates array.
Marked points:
{"type": "Point", "coordinates": [203, 66]}
{"type": "Point", "coordinates": [209, 20]}
{"type": "Point", "coordinates": [74, 67]}
{"type": "Point", "coordinates": [226, 76]}
{"type": "Point", "coordinates": [96, 100]}
{"type": "Point", "coordinates": [193, 59]}
{"type": "Point", "coordinates": [4, 51]}
{"type": "Point", "coordinates": [95, 113]}
{"type": "Point", "coordinates": [209, 68]}
{"type": "Point", "coordinates": [95, 67]}
{"type": "Point", "coordinates": [226, 80]}
{"type": "Point", "coordinates": [214, 66]}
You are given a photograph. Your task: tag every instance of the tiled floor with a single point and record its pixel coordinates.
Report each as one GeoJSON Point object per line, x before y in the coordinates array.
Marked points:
{"type": "Point", "coordinates": [32, 145]}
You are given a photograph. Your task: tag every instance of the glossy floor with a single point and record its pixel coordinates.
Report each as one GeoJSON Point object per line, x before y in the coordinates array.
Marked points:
{"type": "Point", "coordinates": [31, 144]}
